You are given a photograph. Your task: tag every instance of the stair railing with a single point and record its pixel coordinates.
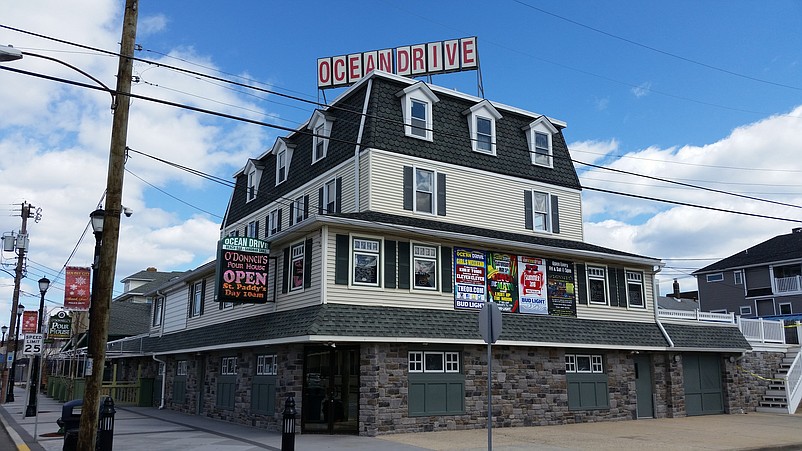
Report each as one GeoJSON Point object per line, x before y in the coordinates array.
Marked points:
{"type": "Point", "coordinates": [793, 388]}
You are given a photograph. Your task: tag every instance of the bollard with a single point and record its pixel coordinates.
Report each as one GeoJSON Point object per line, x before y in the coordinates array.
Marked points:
{"type": "Point", "coordinates": [288, 429]}
{"type": "Point", "coordinates": [105, 427]}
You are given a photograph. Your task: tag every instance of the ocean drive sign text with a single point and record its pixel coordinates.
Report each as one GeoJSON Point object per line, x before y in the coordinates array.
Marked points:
{"type": "Point", "coordinates": [242, 269]}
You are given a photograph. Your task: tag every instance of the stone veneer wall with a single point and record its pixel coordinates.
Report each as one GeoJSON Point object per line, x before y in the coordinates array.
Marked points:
{"type": "Point", "coordinates": [529, 388]}
{"type": "Point", "coordinates": [745, 379]}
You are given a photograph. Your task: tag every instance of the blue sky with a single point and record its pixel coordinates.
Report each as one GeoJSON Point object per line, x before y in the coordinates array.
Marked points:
{"type": "Point", "coordinates": [706, 93]}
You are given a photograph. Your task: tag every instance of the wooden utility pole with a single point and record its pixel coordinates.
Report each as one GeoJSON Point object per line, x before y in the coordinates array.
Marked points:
{"type": "Point", "coordinates": [87, 434]}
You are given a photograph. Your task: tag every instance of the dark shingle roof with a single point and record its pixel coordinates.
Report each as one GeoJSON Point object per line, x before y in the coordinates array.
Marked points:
{"type": "Point", "coordinates": [779, 248]}
{"type": "Point", "coordinates": [394, 323]}
{"type": "Point", "coordinates": [371, 216]}
{"type": "Point", "coordinates": [128, 318]}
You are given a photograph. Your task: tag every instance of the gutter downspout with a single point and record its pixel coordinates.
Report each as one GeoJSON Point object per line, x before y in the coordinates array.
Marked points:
{"type": "Point", "coordinates": [164, 380]}
{"type": "Point", "coordinates": [655, 290]}
{"type": "Point", "coordinates": [358, 147]}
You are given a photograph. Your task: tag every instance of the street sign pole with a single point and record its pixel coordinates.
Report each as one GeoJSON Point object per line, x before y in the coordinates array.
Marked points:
{"type": "Point", "coordinates": [490, 329]}
{"type": "Point", "coordinates": [489, 397]}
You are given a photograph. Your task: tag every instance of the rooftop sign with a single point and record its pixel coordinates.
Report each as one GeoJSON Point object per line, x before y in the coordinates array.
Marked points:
{"type": "Point", "coordinates": [412, 60]}
{"type": "Point", "coordinates": [242, 267]}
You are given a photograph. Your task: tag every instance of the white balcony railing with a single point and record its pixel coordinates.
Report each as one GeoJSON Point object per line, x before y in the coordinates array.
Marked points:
{"type": "Point", "coordinates": [762, 331]}
{"type": "Point", "coordinates": [788, 284]}
{"type": "Point", "coordinates": [696, 315]}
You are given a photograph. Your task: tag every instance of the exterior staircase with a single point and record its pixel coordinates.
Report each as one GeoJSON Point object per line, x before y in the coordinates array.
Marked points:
{"type": "Point", "coordinates": [775, 400]}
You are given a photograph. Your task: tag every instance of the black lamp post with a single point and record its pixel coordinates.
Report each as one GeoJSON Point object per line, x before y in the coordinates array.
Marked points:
{"type": "Point", "coordinates": [3, 329]}
{"type": "Point", "coordinates": [97, 217]}
{"type": "Point", "coordinates": [30, 411]}
{"type": "Point", "coordinates": [10, 394]}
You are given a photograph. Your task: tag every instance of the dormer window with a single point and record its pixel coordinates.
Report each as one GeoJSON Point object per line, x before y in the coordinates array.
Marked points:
{"type": "Point", "coordinates": [482, 119]}
{"type": "Point", "coordinates": [283, 152]}
{"type": "Point", "coordinates": [320, 124]}
{"type": "Point", "coordinates": [539, 135]}
{"type": "Point", "coordinates": [416, 104]}
{"type": "Point", "coordinates": [253, 171]}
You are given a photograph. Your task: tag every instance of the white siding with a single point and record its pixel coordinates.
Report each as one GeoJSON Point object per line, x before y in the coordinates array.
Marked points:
{"type": "Point", "coordinates": [588, 311]}
{"type": "Point", "coordinates": [499, 198]}
{"type": "Point", "coordinates": [175, 308]}
{"type": "Point", "coordinates": [307, 296]}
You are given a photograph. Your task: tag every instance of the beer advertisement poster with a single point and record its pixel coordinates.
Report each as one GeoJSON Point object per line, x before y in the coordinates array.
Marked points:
{"type": "Point", "coordinates": [532, 285]}
{"type": "Point", "coordinates": [501, 286]}
{"type": "Point", "coordinates": [242, 270]}
{"type": "Point", "coordinates": [469, 279]}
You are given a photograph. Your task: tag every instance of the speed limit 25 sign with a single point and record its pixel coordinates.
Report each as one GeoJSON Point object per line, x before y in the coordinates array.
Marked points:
{"type": "Point", "coordinates": [33, 344]}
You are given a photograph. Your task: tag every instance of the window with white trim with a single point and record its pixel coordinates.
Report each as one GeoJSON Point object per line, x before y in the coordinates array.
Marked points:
{"type": "Point", "coordinates": [738, 276]}
{"type": "Point", "coordinates": [424, 191]}
{"type": "Point", "coordinates": [539, 135]}
{"type": "Point", "coordinates": [299, 207]}
{"type": "Point", "coordinates": [746, 310]}
{"type": "Point", "coordinates": [719, 311]}
{"type": "Point", "coordinates": [635, 289]}
{"type": "Point", "coordinates": [297, 267]}
{"type": "Point", "coordinates": [416, 104]}
{"type": "Point", "coordinates": [320, 143]}
{"type": "Point", "coordinates": [434, 362]}
{"type": "Point", "coordinates": [718, 277]}
{"type": "Point", "coordinates": [330, 196]}
{"type": "Point", "coordinates": [366, 258]}
{"type": "Point", "coordinates": [482, 119]}
{"type": "Point", "coordinates": [281, 166]}
{"type": "Point", "coordinates": [597, 285]}
{"type": "Point", "coordinates": [320, 124]}
{"type": "Point", "coordinates": [273, 223]}
{"type": "Point", "coordinates": [228, 366]}
{"type": "Point", "coordinates": [158, 310]}
{"type": "Point", "coordinates": [424, 267]}
{"type": "Point", "coordinates": [181, 368]}
{"type": "Point", "coordinates": [252, 229]}
{"type": "Point", "coordinates": [540, 211]}
{"type": "Point", "coordinates": [196, 299]}
{"type": "Point", "coordinates": [252, 185]}
{"type": "Point", "coordinates": [582, 363]}
{"type": "Point", "coordinates": [785, 308]}
{"type": "Point", "coordinates": [484, 134]}
{"type": "Point", "coordinates": [266, 365]}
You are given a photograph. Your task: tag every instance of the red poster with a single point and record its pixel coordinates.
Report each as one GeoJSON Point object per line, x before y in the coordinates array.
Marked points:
{"type": "Point", "coordinates": [29, 320]}
{"type": "Point", "coordinates": [76, 288]}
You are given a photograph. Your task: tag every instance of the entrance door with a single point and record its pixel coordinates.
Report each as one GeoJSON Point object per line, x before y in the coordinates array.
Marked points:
{"type": "Point", "coordinates": [331, 390]}
{"type": "Point", "coordinates": [703, 389]}
{"type": "Point", "coordinates": [643, 385]}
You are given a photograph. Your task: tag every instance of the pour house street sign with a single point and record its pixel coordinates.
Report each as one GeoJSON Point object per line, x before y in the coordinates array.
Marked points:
{"type": "Point", "coordinates": [242, 267]}
{"type": "Point", "coordinates": [412, 60]}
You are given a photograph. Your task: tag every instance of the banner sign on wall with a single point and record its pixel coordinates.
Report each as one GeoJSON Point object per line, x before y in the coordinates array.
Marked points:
{"type": "Point", "coordinates": [242, 267]}
{"type": "Point", "coordinates": [412, 60]}
{"type": "Point", "coordinates": [469, 278]}
{"type": "Point", "coordinates": [76, 288]}
{"type": "Point", "coordinates": [517, 284]}
{"type": "Point", "coordinates": [60, 326]}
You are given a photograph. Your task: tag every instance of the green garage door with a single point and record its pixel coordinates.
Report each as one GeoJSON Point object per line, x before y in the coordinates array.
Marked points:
{"type": "Point", "coordinates": [702, 379]}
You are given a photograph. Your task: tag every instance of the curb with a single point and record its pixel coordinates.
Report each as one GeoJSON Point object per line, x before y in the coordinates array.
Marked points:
{"type": "Point", "coordinates": [21, 445]}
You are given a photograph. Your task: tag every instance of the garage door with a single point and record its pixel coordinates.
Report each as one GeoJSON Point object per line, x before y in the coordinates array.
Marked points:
{"type": "Point", "coordinates": [702, 379]}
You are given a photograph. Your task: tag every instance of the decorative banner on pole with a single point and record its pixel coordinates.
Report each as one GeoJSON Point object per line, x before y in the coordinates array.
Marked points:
{"type": "Point", "coordinates": [29, 320]}
{"type": "Point", "coordinates": [76, 292]}
{"type": "Point", "coordinates": [60, 326]}
{"type": "Point", "coordinates": [242, 267]}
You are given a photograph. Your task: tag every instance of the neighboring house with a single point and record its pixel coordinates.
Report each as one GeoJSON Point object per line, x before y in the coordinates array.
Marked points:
{"type": "Point", "coordinates": [764, 280]}
{"type": "Point", "coordinates": [392, 216]}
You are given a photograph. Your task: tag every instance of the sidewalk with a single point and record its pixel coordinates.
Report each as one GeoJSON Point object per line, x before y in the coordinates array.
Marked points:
{"type": "Point", "coordinates": [145, 428]}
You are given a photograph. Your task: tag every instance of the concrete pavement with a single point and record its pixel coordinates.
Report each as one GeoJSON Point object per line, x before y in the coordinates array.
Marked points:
{"type": "Point", "coordinates": [143, 428]}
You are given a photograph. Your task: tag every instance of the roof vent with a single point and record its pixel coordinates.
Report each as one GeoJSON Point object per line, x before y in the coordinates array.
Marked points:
{"type": "Point", "coordinates": [796, 230]}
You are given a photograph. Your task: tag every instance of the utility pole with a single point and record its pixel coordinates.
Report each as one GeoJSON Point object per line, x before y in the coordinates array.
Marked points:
{"type": "Point", "coordinates": [87, 434]}
{"type": "Point", "coordinates": [21, 246]}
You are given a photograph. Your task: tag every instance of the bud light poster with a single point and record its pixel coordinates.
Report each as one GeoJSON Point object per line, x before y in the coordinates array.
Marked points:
{"type": "Point", "coordinates": [561, 292]}
{"type": "Point", "coordinates": [501, 284]}
{"type": "Point", "coordinates": [469, 278]}
{"type": "Point", "coordinates": [532, 285]}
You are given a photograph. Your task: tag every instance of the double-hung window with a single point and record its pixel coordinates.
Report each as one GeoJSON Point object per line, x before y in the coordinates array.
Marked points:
{"type": "Point", "coordinates": [320, 124]}
{"type": "Point", "coordinates": [251, 185]}
{"type": "Point", "coordinates": [424, 191]}
{"type": "Point", "coordinates": [635, 289]}
{"type": "Point", "coordinates": [196, 299]}
{"type": "Point", "coordinates": [281, 166]}
{"type": "Point", "coordinates": [366, 258]}
{"type": "Point", "coordinates": [320, 141]}
{"type": "Point", "coordinates": [299, 209]}
{"type": "Point", "coordinates": [416, 102]}
{"type": "Point", "coordinates": [158, 310]}
{"type": "Point", "coordinates": [539, 135]}
{"type": "Point", "coordinates": [253, 229]}
{"type": "Point", "coordinates": [419, 115]}
{"type": "Point", "coordinates": [297, 267]}
{"type": "Point", "coordinates": [424, 266]}
{"type": "Point", "coordinates": [484, 135]}
{"type": "Point", "coordinates": [540, 211]}
{"type": "Point", "coordinates": [597, 285]}
{"type": "Point", "coordinates": [274, 219]}
{"type": "Point", "coordinates": [482, 119]}
{"type": "Point", "coordinates": [330, 197]}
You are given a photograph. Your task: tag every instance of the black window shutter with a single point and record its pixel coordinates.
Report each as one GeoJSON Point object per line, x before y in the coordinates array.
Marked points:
{"type": "Point", "coordinates": [408, 188]}
{"type": "Point", "coordinates": [292, 213]}
{"type": "Point", "coordinates": [341, 259]}
{"type": "Point", "coordinates": [278, 226]}
{"type": "Point", "coordinates": [621, 286]}
{"type": "Point", "coordinates": [203, 295]}
{"type": "Point", "coordinates": [555, 215]}
{"type": "Point", "coordinates": [308, 263]}
{"type": "Point", "coordinates": [256, 232]}
{"type": "Point", "coordinates": [191, 298]}
{"type": "Point", "coordinates": [320, 201]}
{"type": "Point", "coordinates": [306, 206]}
{"type": "Point", "coordinates": [441, 194]}
{"type": "Point", "coordinates": [529, 220]}
{"type": "Point", "coordinates": [245, 231]}
{"type": "Point", "coordinates": [581, 284]}
{"type": "Point", "coordinates": [338, 188]}
{"type": "Point", "coordinates": [389, 263]}
{"type": "Point", "coordinates": [403, 264]}
{"type": "Point", "coordinates": [445, 269]}
{"type": "Point", "coordinates": [286, 280]}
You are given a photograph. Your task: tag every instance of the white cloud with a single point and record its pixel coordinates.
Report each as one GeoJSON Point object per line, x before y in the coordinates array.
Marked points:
{"type": "Point", "coordinates": [642, 89]}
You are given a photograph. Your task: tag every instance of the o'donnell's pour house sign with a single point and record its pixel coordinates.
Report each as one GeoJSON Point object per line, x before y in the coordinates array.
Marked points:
{"type": "Point", "coordinates": [412, 60]}
{"type": "Point", "coordinates": [242, 265]}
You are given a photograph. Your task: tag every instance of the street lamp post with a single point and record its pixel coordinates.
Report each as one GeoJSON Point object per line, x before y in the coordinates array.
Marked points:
{"type": "Point", "coordinates": [97, 217]}
{"type": "Point", "coordinates": [10, 394]}
{"type": "Point", "coordinates": [30, 411]}
{"type": "Point", "coordinates": [3, 329]}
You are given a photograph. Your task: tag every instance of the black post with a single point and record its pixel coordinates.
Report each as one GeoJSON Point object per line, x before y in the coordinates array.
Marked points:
{"type": "Point", "coordinates": [10, 395]}
{"type": "Point", "coordinates": [30, 411]}
{"type": "Point", "coordinates": [95, 267]}
{"type": "Point", "coordinates": [105, 426]}
{"type": "Point", "coordinates": [288, 429]}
